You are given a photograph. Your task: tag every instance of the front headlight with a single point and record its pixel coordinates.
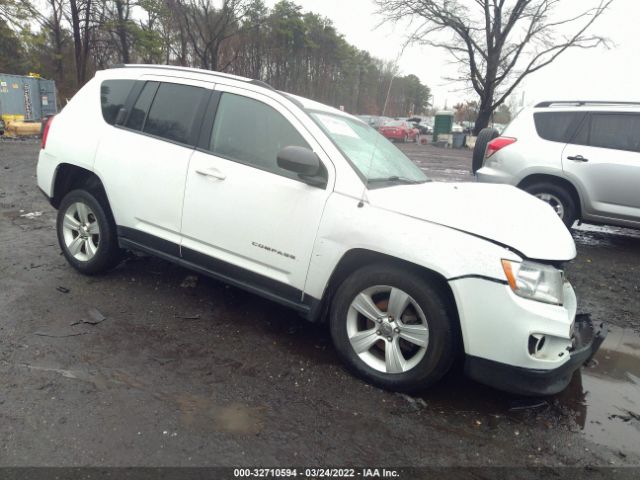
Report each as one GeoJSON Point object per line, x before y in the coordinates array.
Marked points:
{"type": "Point", "coordinates": [535, 281]}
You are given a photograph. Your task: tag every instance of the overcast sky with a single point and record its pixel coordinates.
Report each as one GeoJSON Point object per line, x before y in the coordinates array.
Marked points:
{"type": "Point", "coordinates": [585, 74]}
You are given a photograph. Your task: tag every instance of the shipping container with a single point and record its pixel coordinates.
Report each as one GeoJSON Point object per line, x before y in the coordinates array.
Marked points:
{"type": "Point", "coordinates": [31, 97]}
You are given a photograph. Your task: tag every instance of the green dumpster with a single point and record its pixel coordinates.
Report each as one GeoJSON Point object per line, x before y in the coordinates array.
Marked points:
{"type": "Point", "coordinates": [442, 124]}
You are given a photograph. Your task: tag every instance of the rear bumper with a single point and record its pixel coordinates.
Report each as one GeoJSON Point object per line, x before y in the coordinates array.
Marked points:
{"type": "Point", "coordinates": [393, 136]}
{"type": "Point", "coordinates": [494, 175]}
{"type": "Point", "coordinates": [587, 339]}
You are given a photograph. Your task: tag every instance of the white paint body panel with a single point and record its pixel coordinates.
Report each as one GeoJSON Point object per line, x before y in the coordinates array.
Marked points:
{"type": "Point", "coordinates": [70, 140]}
{"type": "Point", "coordinates": [345, 226]}
{"type": "Point", "coordinates": [459, 231]}
{"type": "Point", "coordinates": [494, 212]}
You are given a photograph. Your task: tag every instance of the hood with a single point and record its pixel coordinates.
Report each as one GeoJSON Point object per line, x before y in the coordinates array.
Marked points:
{"type": "Point", "coordinates": [499, 213]}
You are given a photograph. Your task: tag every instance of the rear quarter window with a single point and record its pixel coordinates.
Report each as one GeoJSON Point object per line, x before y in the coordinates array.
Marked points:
{"type": "Point", "coordinates": [113, 96]}
{"type": "Point", "coordinates": [557, 126]}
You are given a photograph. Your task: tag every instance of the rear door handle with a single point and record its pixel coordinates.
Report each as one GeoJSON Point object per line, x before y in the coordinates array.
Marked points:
{"type": "Point", "coordinates": [211, 172]}
{"type": "Point", "coordinates": [578, 158]}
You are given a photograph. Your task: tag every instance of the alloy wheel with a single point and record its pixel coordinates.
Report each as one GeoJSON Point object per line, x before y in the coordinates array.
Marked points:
{"type": "Point", "coordinates": [387, 329]}
{"type": "Point", "coordinates": [554, 201]}
{"type": "Point", "coordinates": [81, 231]}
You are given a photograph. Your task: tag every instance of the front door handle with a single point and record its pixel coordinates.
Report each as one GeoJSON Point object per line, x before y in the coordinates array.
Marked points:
{"type": "Point", "coordinates": [212, 172]}
{"type": "Point", "coordinates": [577, 158]}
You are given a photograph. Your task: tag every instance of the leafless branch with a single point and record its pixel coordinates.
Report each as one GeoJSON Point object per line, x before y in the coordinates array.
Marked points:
{"type": "Point", "coordinates": [516, 38]}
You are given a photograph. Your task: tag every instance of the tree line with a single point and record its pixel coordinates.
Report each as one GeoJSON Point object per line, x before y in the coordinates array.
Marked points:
{"type": "Point", "coordinates": [292, 50]}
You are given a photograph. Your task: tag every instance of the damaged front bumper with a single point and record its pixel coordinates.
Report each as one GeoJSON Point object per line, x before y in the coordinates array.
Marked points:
{"type": "Point", "coordinates": [587, 339]}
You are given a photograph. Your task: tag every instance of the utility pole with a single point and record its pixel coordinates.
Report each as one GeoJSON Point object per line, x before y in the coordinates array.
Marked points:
{"type": "Point", "coordinates": [384, 108]}
{"type": "Point", "coordinates": [394, 71]}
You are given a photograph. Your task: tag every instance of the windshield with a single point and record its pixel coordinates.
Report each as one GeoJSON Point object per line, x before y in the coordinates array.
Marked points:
{"type": "Point", "coordinates": [375, 157]}
{"type": "Point", "coordinates": [394, 123]}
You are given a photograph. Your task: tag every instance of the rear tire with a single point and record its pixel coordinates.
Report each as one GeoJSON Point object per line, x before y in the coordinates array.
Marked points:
{"type": "Point", "coordinates": [558, 197]}
{"type": "Point", "coordinates": [87, 233]}
{"type": "Point", "coordinates": [480, 149]}
{"type": "Point", "coordinates": [411, 348]}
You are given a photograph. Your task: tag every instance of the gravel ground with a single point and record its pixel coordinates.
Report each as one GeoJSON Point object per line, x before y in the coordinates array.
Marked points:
{"type": "Point", "coordinates": [196, 373]}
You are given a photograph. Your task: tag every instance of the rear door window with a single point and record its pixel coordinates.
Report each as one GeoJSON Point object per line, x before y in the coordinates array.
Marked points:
{"type": "Point", "coordinates": [173, 112]}
{"type": "Point", "coordinates": [113, 96]}
{"type": "Point", "coordinates": [616, 131]}
{"type": "Point", "coordinates": [557, 126]}
{"type": "Point", "coordinates": [141, 107]}
{"type": "Point", "coordinates": [252, 132]}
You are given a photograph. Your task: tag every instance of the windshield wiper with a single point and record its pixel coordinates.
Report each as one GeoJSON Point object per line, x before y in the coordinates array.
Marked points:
{"type": "Point", "coordinates": [394, 179]}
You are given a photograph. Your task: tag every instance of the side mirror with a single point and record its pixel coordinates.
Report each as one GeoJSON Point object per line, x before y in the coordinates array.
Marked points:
{"type": "Point", "coordinates": [305, 163]}
{"type": "Point", "coordinates": [300, 160]}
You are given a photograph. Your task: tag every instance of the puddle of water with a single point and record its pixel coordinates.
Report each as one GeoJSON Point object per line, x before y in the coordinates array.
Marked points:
{"type": "Point", "coordinates": [602, 401]}
{"type": "Point", "coordinates": [607, 236]}
{"type": "Point", "coordinates": [609, 407]}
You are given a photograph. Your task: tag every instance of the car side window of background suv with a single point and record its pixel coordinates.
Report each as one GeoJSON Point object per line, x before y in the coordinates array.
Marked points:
{"type": "Point", "coordinates": [617, 131]}
{"type": "Point", "coordinates": [557, 126]}
{"type": "Point", "coordinates": [252, 132]}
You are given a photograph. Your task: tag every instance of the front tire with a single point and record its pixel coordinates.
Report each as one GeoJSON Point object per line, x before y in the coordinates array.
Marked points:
{"type": "Point", "coordinates": [87, 233]}
{"type": "Point", "coordinates": [558, 198]}
{"type": "Point", "coordinates": [391, 328]}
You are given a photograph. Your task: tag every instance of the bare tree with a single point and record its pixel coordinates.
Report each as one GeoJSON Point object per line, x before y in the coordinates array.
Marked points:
{"type": "Point", "coordinates": [79, 14]}
{"type": "Point", "coordinates": [208, 28]}
{"type": "Point", "coordinates": [497, 42]}
{"type": "Point", "coordinates": [120, 26]}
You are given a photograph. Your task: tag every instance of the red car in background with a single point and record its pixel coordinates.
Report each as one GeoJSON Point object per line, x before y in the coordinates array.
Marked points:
{"type": "Point", "coordinates": [399, 131]}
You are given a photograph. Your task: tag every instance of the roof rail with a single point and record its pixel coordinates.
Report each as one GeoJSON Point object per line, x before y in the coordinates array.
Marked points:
{"type": "Point", "coordinates": [260, 83]}
{"type": "Point", "coordinates": [214, 73]}
{"type": "Point", "coordinates": [177, 68]}
{"type": "Point", "coordinates": [582, 103]}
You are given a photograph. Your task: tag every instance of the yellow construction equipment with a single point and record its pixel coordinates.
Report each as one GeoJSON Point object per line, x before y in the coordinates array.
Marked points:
{"type": "Point", "coordinates": [7, 117]}
{"type": "Point", "coordinates": [15, 126]}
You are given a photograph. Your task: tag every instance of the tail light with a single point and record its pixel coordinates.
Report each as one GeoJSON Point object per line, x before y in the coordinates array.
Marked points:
{"type": "Point", "coordinates": [45, 132]}
{"type": "Point", "coordinates": [498, 144]}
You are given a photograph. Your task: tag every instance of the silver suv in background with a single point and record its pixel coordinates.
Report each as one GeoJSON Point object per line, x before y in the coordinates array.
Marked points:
{"type": "Point", "coordinates": [581, 157]}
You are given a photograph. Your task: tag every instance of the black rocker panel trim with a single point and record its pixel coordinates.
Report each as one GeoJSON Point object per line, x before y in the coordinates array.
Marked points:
{"type": "Point", "coordinates": [151, 241]}
{"type": "Point", "coordinates": [232, 272]}
{"type": "Point", "coordinates": [212, 267]}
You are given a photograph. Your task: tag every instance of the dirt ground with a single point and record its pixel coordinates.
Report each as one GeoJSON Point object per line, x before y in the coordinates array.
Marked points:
{"type": "Point", "coordinates": [189, 372]}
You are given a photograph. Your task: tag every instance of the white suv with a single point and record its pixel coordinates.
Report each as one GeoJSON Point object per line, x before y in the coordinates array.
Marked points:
{"type": "Point", "coordinates": [310, 207]}
{"type": "Point", "coordinates": [583, 158]}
